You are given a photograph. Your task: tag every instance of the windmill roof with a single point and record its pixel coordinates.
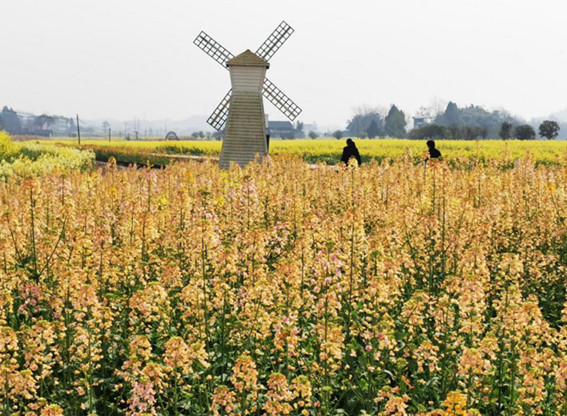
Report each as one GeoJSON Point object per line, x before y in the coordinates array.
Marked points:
{"type": "Point", "coordinates": [248, 58]}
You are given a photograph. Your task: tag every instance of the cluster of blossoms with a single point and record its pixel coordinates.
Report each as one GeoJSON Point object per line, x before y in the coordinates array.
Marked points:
{"type": "Point", "coordinates": [389, 289]}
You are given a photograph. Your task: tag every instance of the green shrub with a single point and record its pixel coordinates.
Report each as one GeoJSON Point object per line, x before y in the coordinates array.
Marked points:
{"type": "Point", "coordinates": [7, 147]}
{"type": "Point", "coordinates": [32, 159]}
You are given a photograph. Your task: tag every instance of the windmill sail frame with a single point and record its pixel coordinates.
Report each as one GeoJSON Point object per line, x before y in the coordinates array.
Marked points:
{"type": "Point", "coordinates": [221, 55]}
{"type": "Point", "coordinates": [218, 117]}
{"type": "Point", "coordinates": [212, 48]}
{"type": "Point", "coordinates": [275, 41]}
{"type": "Point", "coordinates": [280, 100]}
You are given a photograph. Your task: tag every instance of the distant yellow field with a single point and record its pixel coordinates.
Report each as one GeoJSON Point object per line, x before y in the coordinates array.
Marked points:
{"type": "Point", "coordinates": [329, 150]}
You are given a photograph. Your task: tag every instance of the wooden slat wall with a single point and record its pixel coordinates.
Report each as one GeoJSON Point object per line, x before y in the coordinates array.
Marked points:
{"type": "Point", "coordinates": [245, 134]}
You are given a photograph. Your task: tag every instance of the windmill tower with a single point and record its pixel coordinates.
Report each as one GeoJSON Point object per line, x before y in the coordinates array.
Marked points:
{"type": "Point", "coordinates": [242, 109]}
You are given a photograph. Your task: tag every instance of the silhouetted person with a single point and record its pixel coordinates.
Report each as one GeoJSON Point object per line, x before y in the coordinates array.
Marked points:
{"type": "Point", "coordinates": [349, 151]}
{"type": "Point", "coordinates": [433, 152]}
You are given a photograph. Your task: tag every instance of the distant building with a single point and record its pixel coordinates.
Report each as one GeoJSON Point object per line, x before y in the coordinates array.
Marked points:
{"type": "Point", "coordinates": [281, 129]}
{"type": "Point", "coordinates": [62, 126]}
{"type": "Point", "coordinates": [421, 121]}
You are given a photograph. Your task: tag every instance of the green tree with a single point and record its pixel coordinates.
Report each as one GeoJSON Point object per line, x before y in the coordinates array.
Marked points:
{"type": "Point", "coordinates": [454, 132]}
{"type": "Point", "coordinates": [337, 134]}
{"type": "Point", "coordinates": [312, 135]}
{"type": "Point", "coordinates": [505, 130]}
{"type": "Point", "coordinates": [549, 129]}
{"type": "Point", "coordinates": [372, 131]}
{"type": "Point", "coordinates": [361, 121]}
{"type": "Point", "coordinates": [525, 132]}
{"type": "Point", "coordinates": [471, 132]}
{"type": "Point", "coordinates": [395, 123]}
{"type": "Point", "coordinates": [428, 131]}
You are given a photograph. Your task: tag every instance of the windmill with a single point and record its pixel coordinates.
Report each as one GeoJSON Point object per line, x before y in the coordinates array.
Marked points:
{"type": "Point", "coordinates": [242, 109]}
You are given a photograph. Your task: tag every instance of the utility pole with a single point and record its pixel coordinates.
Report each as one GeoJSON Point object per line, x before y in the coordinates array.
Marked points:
{"type": "Point", "coordinates": [78, 130]}
{"type": "Point", "coordinates": [109, 133]}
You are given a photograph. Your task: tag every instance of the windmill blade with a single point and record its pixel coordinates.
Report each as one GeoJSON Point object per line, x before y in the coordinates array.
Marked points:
{"type": "Point", "coordinates": [218, 118]}
{"type": "Point", "coordinates": [274, 41]}
{"type": "Point", "coordinates": [280, 100]}
{"type": "Point", "coordinates": [212, 48]}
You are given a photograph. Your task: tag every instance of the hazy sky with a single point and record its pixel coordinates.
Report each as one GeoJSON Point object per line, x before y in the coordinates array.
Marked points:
{"type": "Point", "coordinates": [135, 58]}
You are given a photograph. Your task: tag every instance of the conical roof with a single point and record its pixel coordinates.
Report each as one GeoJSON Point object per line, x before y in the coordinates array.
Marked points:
{"type": "Point", "coordinates": [248, 58]}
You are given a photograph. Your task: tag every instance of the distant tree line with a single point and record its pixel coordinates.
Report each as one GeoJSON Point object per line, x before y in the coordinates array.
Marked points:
{"type": "Point", "coordinates": [548, 129]}
{"type": "Point", "coordinates": [473, 123]}
{"type": "Point", "coordinates": [42, 125]}
{"type": "Point", "coordinates": [370, 123]}
{"type": "Point", "coordinates": [467, 123]}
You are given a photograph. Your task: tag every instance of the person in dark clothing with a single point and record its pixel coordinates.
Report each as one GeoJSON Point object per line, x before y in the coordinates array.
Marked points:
{"type": "Point", "coordinates": [349, 151]}
{"type": "Point", "coordinates": [433, 152]}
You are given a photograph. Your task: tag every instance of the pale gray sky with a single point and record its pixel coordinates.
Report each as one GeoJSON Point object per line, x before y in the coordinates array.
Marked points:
{"type": "Point", "coordinates": [135, 58]}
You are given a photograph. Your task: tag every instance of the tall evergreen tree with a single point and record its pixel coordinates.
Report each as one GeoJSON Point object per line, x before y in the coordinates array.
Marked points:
{"type": "Point", "coordinates": [395, 123]}
{"type": "Point", "coordinates": [11, 121]}
{"type": "Point", "coordinates": [372, 131]}
{"type": "Point", "coordinates": [451, 115]}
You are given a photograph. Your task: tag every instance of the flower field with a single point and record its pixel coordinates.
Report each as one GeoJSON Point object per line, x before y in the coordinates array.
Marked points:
{"type": "Point", "coordinates": [456, 152]}
{"type": "Point", "coordinates": [30, 159]}
{"type": "Point", "coordinates": [391, 289]}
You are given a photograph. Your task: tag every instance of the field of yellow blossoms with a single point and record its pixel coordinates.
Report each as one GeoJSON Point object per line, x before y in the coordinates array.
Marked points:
{"type": "Point", "coordinates": [389, 289]}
